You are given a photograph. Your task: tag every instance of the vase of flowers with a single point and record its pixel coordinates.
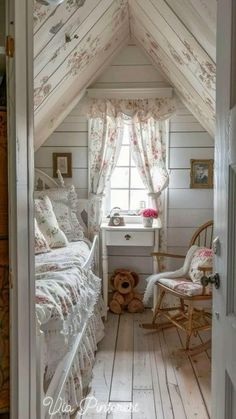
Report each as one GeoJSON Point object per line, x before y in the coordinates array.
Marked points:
{"type": "Point", "coordinates": [148, 215]}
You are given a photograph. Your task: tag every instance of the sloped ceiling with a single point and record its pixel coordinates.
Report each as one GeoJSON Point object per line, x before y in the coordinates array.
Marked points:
{"type": "Point", "coordinates": [75, 42]}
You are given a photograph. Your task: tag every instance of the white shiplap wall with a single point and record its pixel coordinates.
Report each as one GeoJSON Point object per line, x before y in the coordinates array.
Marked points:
{"type": "Point", "coordinates": [71, 136]}
{"type": "Point", "coordinates": [131, 68]}
{"type": "Point", "coordinates": [186, 208]}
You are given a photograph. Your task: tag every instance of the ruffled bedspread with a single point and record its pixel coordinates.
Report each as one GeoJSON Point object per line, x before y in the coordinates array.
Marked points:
{"type": "Point", "coordinates": [68, 297]}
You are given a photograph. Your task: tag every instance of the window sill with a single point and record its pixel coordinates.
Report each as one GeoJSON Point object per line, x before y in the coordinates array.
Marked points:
{"type": "Point", "coordinates": [129, 219]}
{"type": "Point", "coordinates": [134, 219]}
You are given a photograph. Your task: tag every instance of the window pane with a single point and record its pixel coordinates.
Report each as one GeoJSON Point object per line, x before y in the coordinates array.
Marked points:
{"type": "Point", "coordinates": [120, 199]}
{"type": "Point", "coordinates": [126, 135]}
{"type": "Point", "coordinates": [132, 163]}
{"type": "Point", "coordinates": [136, 197]}
{"type": "Point", "coordinates": [136, 181]}
{"type": "Point", "coordinates": [120, 178]}
{"type": "Point", "coordinates": [123, 159]}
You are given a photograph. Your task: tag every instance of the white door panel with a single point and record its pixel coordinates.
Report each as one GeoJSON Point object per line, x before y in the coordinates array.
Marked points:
{"type": "Point", "coordinates": [224, 299]}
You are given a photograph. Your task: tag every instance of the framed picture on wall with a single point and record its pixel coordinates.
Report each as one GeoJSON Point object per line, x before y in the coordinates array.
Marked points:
{"type": "Point", "coordinates": [201, 174]}
{"type": "Point", "coordinates": [62, 162]}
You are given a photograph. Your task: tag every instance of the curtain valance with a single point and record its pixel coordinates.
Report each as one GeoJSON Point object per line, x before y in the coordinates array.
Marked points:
{"type": "Point", "coordinates": [138, 109]}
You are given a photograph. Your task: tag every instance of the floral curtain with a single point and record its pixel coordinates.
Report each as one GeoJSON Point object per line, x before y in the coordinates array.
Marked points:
{"type": "Point", "coordinates": [105, 138]}
{"type": "Point", "coordinates": [106, 126]}
{"type": "Point", "coordinates": [160, 109]}
{"type": "Point", "coordinates": [148, 147]}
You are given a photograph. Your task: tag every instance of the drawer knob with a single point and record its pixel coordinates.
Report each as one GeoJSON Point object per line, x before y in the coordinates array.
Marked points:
{"type": "Point", "coordinates": [127, 237]}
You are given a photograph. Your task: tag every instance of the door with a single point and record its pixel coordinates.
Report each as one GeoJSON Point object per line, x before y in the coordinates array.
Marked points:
{"type": "Point", "coordinates": [224, 301]}
{"type": "Point", "coordinates": [4, 283]}
{"type": "Point", "coordinates": [20, 181]}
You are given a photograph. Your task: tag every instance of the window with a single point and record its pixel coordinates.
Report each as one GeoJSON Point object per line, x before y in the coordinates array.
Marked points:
{"type": "Point", "coordinates": [126, 189]}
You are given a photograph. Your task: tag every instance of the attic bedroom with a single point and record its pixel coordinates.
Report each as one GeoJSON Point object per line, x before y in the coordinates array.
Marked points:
{"type": "Point", "coordinates": [128, 234]}
{"type": "Point", "coordinates": [113, 61]}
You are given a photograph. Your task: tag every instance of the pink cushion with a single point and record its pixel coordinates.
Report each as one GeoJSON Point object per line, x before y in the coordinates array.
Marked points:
{"type": "Point", "coordinates": [184, 286]}
{"type": "Point", "coordinates": [202, 256]}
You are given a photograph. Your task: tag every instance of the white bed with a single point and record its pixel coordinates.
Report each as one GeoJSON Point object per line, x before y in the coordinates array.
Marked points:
{"type": "Point", "coordinates": [69, 311]}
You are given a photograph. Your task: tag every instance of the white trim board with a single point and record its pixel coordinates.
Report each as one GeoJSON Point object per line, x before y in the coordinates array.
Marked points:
{"type": "Point", "coordinates": [130, 93]}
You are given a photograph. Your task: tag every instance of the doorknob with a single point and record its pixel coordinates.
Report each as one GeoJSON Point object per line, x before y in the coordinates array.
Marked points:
{"type": "Point", "coordinates": [211, 279]}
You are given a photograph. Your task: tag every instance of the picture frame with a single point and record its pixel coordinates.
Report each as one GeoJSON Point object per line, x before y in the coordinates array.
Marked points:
{"type": "Point", "coordinates": [62, 162]}
{"type": "Point", "coordinates": [201, 174]}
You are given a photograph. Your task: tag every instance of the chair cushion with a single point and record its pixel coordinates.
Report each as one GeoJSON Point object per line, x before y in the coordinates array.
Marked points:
{"type": "Point", "coordinates": [184, 286]}
{"type": "Point", "coordinates": [202, 256]}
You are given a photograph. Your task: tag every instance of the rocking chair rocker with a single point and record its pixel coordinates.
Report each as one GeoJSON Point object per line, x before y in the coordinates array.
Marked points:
{"type": "Point", "coordinates": [186, 316]}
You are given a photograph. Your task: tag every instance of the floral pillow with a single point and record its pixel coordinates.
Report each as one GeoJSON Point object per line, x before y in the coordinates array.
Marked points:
{"type": "Point", "coordinates": [68, 221]}
{"type": "Point", "coordinates": [40, 243]}
{"type": "Point", "coordinates": [64, 202]}
{"type": "Point", "coordinates": [48, 223]}
{"type": "Point", "coordinates": [202, 256]}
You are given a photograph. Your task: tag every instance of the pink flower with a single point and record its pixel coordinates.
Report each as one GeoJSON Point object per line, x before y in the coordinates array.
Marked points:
{"type": "Point", "coordinates": [149, 212]}
{"type": "Point", "coordinates": [205, 252]}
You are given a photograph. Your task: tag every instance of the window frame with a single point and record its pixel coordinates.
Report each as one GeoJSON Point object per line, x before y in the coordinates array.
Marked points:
{"type": "Point", "coordinates": [107, 201]}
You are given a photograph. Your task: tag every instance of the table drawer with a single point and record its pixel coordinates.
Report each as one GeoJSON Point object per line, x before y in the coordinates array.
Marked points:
{"type": "Point", "coordinates": [129, 238]}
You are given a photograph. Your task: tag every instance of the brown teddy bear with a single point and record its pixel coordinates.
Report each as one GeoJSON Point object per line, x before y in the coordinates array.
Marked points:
{"type": "Point", "coordinates": [123, 283]}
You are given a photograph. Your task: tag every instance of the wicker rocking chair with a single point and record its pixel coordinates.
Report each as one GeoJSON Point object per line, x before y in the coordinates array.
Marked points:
{"type": "Point", "coordinates": [186, 316]}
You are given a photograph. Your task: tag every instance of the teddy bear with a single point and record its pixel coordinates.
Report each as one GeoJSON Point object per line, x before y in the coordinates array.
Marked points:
{"type": "Point", "coordinates": [123, 282]}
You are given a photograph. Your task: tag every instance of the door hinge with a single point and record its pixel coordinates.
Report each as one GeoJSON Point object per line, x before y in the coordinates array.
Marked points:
{"type": "Point", "coordinates": [10, 46]}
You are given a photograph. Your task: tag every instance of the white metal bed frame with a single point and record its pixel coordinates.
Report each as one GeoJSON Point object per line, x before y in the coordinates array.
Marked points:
{"type": "Point", "coordinates": [56, 386]}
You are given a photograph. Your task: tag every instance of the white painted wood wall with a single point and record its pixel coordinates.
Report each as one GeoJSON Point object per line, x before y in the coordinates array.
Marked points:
{"type": "Point", "coordinates": [71, 137]}
{"type": "Point", "coordinates": [187, 208]}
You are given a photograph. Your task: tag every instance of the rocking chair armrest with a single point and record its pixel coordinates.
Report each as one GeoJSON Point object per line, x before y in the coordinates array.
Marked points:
{"type": "Point", "coordinates": [171, 255]}
{"type": "Point", "coordinates": [205, 268]}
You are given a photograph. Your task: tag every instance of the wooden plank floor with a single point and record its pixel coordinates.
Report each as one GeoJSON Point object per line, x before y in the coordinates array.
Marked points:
{"type": "Point", "coordinates": [141, 368]}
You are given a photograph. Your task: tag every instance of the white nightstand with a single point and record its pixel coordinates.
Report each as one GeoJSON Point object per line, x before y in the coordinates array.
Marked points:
{"type": "Point", "coordinates": [128, 235]}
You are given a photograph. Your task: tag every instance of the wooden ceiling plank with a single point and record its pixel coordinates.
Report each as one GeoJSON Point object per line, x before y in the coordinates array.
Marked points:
{"type": "Point", "coordinates": [164, 64]}
{"type": "Point", "coordinates": [97, 39]}
{"type": "Point", "coordinates": [41, 13]}
{"type": "Point", "coordinates": [58, 50]}
{"type": "Point", "coordinates": [195, 23]}
{"type": "Point", "coordinates": [193, 100]}
{"type": "Point", "coordinates": [155, 39]}
{"type": "Point", "coordinates": [116, 74]}
{"type": "Point", "coordinates": [198, 115]}
{"type": "Point", "coordinates": [184, 51]}
{"type": "Point", "coordinates": [62, 21]}
{"type": "Point", "coordinates": [207, 9]}
{"type": "Point", "coordinates": [68, 94]}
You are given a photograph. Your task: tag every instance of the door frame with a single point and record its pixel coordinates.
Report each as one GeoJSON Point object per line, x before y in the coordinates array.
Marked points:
{"type": "Point", "coordinates": [19, 26]}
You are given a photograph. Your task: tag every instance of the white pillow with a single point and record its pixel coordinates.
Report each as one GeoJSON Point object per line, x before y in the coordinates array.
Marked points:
{"type": "Point", "coordinates": [40, 243]}
{"type": "Point", "coordinates": [202, 256]}
{"type": "Point", "coordinates": [48, 224]}
{"type": "Point", "coordinates": [64, 202]}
